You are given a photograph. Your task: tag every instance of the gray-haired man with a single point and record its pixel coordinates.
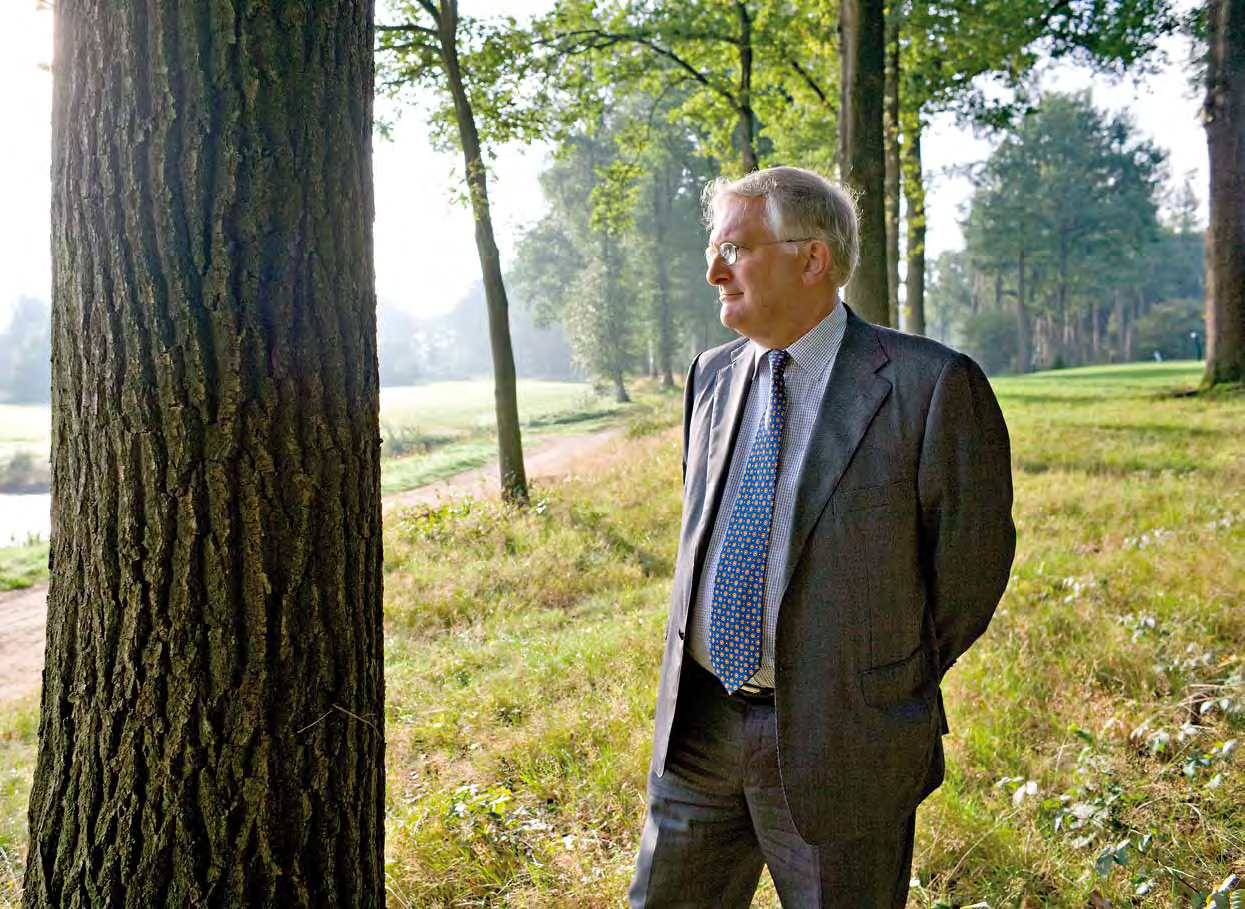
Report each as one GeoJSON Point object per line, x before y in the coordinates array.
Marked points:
{"type": "Point", "coordinates": [846, 536]}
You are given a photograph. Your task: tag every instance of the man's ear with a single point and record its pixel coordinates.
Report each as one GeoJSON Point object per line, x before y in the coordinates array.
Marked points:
{"type": "Point", "coordinates": [816, 263]}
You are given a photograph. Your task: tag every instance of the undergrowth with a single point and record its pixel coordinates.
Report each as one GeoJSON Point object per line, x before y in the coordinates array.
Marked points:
{"type": "Point", "coordinates": [1093, 756]}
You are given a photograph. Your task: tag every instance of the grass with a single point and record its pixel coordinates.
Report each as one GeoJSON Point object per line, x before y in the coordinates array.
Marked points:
{"type": "Point", "coordinates": [431, 432]}
{"type": "Point", "coordinates": [23, 566]}
{"type": "Point", "coordinates": [1090, 755]}
{"type": "Point", "coordinates": [19, 727]}
{"type": "Point", "coordinates": [435, 431]}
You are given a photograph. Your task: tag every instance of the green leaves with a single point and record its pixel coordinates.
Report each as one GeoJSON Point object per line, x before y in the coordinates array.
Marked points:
{"type": "Point", "coordinates": [499, 61]}
{"type": "Point", "coordinates": [750, 80]}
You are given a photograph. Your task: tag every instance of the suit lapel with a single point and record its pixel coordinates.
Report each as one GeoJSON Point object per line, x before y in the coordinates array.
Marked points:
{"type": "Point", "coordinates": [853, 395]}
{"type": "Point", "coordinates": [730, 394]}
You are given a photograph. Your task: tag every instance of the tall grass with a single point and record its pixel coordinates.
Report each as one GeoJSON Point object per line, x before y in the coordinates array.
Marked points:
{"type": "Point", "coordinates": [1092, 757]}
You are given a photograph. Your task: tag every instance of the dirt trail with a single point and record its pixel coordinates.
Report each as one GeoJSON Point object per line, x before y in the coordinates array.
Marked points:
{"type": "Point", "coordinates": [23, 613]}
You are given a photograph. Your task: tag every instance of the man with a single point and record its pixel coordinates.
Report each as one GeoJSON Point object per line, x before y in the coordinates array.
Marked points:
{"type": "Point", "coordinates": [846, 536]}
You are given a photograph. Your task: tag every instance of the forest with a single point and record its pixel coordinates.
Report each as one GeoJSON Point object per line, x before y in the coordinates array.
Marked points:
{"type": "Point", "coordinates": [268, 681]}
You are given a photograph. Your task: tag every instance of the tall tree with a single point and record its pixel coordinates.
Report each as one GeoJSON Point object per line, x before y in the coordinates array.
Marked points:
{"type": "Point", "coordinates": [973, 58]}
{"type": "Point", "coordinates": [1224, 115]}
{"type": "Point", "coordinates": [571, 264]}
{"type": "Point", "coordinates": [891, 113]}
{"type": "Point", "coordinates": [211, 723]}
{"type": "Point", "coordinates": [1065, 211]}
{"type": "Point", "coordinates": [754, 82]}
{"type": "Point", "coordinates": [425, 48]}
{"type": "Point", "coordinates": [862, 159]}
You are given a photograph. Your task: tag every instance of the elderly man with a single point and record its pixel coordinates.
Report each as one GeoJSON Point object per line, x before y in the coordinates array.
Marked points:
{"type": "Point", "coordinates": [846, 535]}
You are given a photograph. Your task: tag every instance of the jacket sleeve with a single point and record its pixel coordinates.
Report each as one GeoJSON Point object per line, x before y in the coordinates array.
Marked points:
{"type": "Point", "coordinates": [965, 487]}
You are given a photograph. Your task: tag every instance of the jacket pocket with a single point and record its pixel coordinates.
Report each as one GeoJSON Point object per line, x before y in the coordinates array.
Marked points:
{"type": "Point", "coordinates": [863, 497]}
{"type": "Point", "coordinates": [898, 681]}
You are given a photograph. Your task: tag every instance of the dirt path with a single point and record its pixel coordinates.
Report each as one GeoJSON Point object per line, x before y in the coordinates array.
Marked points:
{"type": "Point", "coordinates": [23, 613]}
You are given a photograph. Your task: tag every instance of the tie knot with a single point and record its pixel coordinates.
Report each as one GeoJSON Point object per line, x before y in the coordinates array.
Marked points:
{"type": "Point", "coordinates": [778, 360]}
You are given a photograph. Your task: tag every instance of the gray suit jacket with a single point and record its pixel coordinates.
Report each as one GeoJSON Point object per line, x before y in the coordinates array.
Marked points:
{"type": "Point", "coordinates": [901, 546]}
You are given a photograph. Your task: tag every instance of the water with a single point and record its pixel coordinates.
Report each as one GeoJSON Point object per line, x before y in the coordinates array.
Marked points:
{"type": "Point", "coordinates": [22, 517]}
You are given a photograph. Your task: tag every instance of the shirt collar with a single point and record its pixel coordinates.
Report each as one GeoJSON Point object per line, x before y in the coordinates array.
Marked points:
{"type": "Point", "coordinates": [815, 349]}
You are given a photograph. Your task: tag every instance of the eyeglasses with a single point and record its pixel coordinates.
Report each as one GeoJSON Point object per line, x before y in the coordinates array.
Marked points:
{"type": "Point", "coordinates": [730, 251]}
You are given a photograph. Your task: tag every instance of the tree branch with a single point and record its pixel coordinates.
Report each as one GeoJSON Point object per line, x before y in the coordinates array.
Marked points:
{"type": "Point", "coordinates": [598, 39]}
{"type": "Point", "coordinates": [810, 82]}
{"type": "Point", "coordinates": [410, 27]}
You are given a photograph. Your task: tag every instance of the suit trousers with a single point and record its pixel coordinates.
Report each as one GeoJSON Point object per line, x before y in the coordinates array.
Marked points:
{"type": "Point", "coordinates": [718, 815]}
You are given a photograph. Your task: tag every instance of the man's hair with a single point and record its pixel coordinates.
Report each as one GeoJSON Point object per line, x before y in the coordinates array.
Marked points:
{"type": "Point", "coordinates": [798, 203]}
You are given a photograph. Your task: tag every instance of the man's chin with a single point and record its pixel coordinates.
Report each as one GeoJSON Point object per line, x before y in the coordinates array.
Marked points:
{"type": "Point", "coordinates": [730, 315]}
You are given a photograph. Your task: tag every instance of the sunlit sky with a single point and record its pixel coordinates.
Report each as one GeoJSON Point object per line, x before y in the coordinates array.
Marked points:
{"type": "Point", "coordinates": [425, 247]}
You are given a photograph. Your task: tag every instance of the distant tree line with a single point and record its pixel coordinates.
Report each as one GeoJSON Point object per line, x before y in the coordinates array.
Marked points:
{"type": "Point", "coordinates": [1066, 259]}
{"type": "Point", "coordinates": [618, 258]}
{"type": "Point", "coordinates": [26, 354]}
{"type": "Point", "coordinates": [415, 349]}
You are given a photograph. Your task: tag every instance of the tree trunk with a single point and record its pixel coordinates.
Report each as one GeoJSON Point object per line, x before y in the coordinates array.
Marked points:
{"type": "Point", "coordinates": [1023, 357]}
{"type": "Point", "coordinates": [746, 126]}
{"type": "Point", "coordinates": [663, 196]}
{"type": "Point", "coordinates": [915, 186]}
{"type": "Point", "coordinates": [505, 395]}
{"type": "Point", "coordinates": [615, 315]}
{"type": "Point", "coordinates": [862, 161]}
{"type": "Point", "coordinates": [1095, 339]}
{"type": "Point", "coordinates": [1134, 310]}
{"type": "Point", "coordinates": [211, 729]}
{"type": "Point", "coordinates": [1117, 351]}
{"type": "Point", "coordinates": [893, 165]}
{"type": "Point", "coordinates": [1224, 115]}
{"type": "Point", "coordinates": [665, 331]}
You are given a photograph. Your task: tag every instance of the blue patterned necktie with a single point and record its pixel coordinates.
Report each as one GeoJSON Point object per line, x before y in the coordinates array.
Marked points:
{"type": "Point", "coordinates": [739, 586]}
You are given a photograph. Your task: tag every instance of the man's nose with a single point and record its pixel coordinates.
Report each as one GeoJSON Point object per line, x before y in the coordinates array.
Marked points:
{"type": "Point", "coordinates": [718, 272]}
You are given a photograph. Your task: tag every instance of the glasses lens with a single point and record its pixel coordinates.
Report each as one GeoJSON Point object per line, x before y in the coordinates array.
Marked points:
{"type": "Point", "coordinates": [730, 252]}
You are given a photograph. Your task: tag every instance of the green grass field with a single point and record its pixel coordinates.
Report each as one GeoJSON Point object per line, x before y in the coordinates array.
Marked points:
{"type": "Point", "coordinates": [429, 431]}
{"type": "Point", "coordinates": [1093, 756]}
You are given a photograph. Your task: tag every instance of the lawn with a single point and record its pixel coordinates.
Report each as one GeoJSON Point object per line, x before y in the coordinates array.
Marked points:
{"type": "Point", "coordinates": [1093, 756]}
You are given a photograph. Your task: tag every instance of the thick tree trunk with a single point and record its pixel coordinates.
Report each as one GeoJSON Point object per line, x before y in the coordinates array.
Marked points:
{"type": "Point", "coordinates": [505, 395]}
{"type": "Point", "coordinates": [915, 184]}
{"type": "Point", "coordinates": [862, 161]}
{"type": "Point", "coordinates": [894, 166]}
{"type": "Point", "coordinates": [1224, 115]}
{"type": "Point", "coordinates": [212, 714]}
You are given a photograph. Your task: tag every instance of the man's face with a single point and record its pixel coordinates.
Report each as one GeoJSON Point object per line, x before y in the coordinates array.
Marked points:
{"type": "Point", "coordinates": [760, 293]}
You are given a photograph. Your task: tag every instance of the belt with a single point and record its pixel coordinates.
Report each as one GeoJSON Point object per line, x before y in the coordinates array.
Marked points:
{"type": "Point", "coordinates": [755, 695]}
{"type": "Point", "coordinates": [704, 678]}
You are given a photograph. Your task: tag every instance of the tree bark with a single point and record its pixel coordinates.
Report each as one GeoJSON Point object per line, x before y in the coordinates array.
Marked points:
{"type": "Point", "coordinates": [1224, 115]}
{"type": "Point", "coordinates": [211, 729]}
{"type": "Point", "coordinates": [915, 286]}
{"type": "Point", "coordinates": [894, 166]}
{"type": "Point", "coordinates": [505, 394]}
{"type": "Point", "coordinates": [746, 126]}
{"type": "Point", "coordinates": [862, 161]}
